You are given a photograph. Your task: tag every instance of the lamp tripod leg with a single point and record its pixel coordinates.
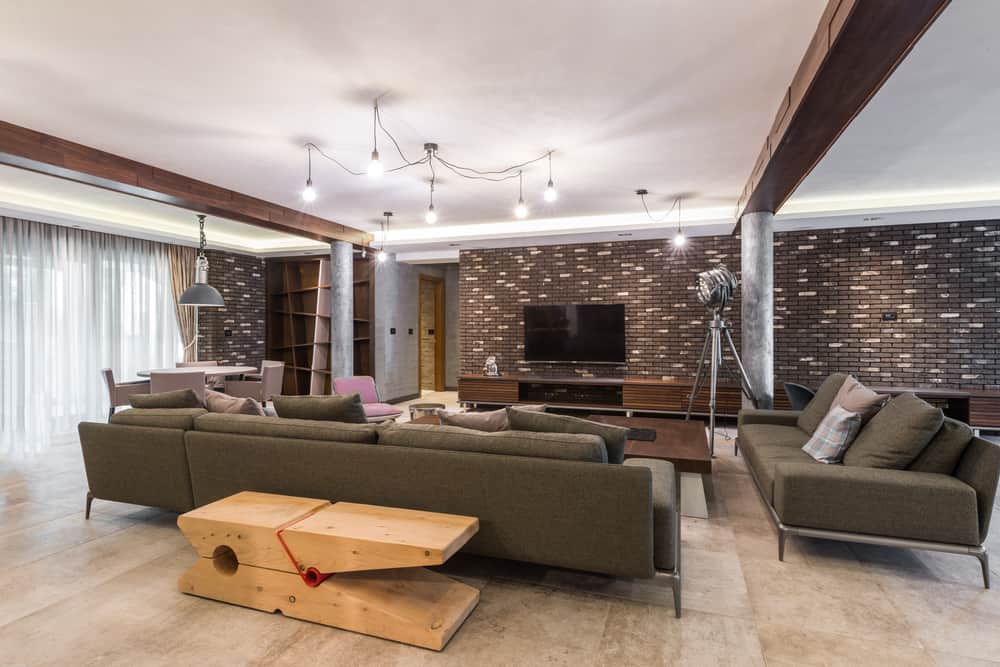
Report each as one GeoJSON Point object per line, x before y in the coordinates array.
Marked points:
{"type": "Point", "coordinates": [699, 375]}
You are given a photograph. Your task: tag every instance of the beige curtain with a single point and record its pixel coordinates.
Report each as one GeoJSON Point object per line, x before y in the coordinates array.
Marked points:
{"type": "Point", "coordinates": [182, 263]}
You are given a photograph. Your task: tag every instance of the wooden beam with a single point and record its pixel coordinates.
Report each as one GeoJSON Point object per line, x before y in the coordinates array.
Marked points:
{"type": "Point", "coordinates": [45, 154]}
{"type": "Point", "coordinates": [857, 46]}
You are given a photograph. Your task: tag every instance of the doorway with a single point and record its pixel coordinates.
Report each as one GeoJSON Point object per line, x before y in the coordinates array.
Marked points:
{"type": "Point", "coordinates": [431, 342]}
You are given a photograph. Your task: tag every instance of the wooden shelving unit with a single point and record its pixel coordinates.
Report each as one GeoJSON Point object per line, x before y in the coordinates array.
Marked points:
{"type": "Point", "coordinates": [298, 322]}
{"type": "Point", "coordinates": [364, 316]}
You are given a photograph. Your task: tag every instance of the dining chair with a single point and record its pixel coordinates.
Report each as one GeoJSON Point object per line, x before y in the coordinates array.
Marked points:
{"type": "Point", "coordinates": [262, 390]}
{"type": "Point", "coordinates": [216, 383]}
{"type": "Point", "coordinates": [118, 392]}
{"type": "Point", "coordinates": [193, 379]}
{"type": "Point", "coordinates": [263, 364]}
{"type": "Point", "coordinates": [375, 409]}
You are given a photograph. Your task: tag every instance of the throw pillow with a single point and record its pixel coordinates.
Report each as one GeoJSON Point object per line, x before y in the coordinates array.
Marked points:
{"type": "Point", "coordinates": [490, 422]}
{"type": "Point", "coordinates": [337, 408]}
{"type": "Point", "coordinates": [216, 401]}
{"type": "Point", "coordinates": [833, 435]}
{"type": "Point", "coordinates": [614, 436]}
{"type": "Point", "coordinates": [180, 398]}
{"type": "Point", "coordinates": [855, 397]}
{"type": "Point", "coordinates": [820, 404]}
{"type": "Point", "coordinates": [896, 435]}
{"type": "Point", "coordinates": [942, 453]}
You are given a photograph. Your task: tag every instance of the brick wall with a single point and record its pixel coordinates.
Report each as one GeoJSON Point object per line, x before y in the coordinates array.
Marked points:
{"type": "Point", "coordinates": [240, 280]}
{"type": "Point", "coordinates": [831, 288]}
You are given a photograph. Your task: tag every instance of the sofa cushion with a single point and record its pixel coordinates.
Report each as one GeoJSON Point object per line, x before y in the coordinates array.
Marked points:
{"type": "Point", "coordinates": [529, 420]}
{"type": "Point", "coordinates": [835, 434]}
{"type": "Point", "coordinates": [943, 452]}
{"type": "Point", "coordinates": [216, 401]}
{"type": "Point", "coordinates": [490, 421]}
{"type": "Point", "coordinates": [182, 418]}
{"type": "Point", "coordinates": [896, 435]}
{"type": "Point", "coordinates": [766, 445]}
{"type": "Point", "coordinates": [274, 427]}
{"type": "Point", "coordinates": [179, 398]}
{"type": "Point", "coordinates": [820, 404]}
{"type": "Point", "coordinates": [567, 446]}
{"type": "Point", "coordinates": [337, 408]}
{"type": "Point", "coordinates": [855, 397]}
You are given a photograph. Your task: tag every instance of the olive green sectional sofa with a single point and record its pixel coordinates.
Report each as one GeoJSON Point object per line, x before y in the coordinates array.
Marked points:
{"type": "Point", "coordinates": [546, 498]}
{"type": "Point", "coordinates": [948, 510]}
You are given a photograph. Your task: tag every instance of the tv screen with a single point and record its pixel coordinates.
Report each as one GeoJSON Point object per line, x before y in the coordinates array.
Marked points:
{"type": "Point", "coordinates": [592, 333]}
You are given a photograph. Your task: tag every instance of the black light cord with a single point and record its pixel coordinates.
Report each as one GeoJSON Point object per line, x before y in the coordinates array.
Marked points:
{"type": "Point", "coordinates": [665, 215]}
{"type": "Point", "coordinates": [334, 160]}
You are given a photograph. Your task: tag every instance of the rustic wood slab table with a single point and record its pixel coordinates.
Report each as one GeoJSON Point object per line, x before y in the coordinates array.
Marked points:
{"type": "Point", "coordinates": [351, 566]}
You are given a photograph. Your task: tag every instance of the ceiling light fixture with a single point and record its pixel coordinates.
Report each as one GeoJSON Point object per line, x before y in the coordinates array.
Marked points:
{"type": "Point", "coordinates": [679, 239]}
{"type": "Point", "coordinates": [309, 193]}
{"type": "Point", "coordinates": [375, 169]}
{"type": "Point", "coordinates": [550, 190]}
{"type": "Point", "coordinates": [521, 210]}
{"type": "Point", "coordinates": [382, 256]}
{"type": "Point", "coordinates": [431, 216]}
{"type": "Point", "coordinates": [201, 293]}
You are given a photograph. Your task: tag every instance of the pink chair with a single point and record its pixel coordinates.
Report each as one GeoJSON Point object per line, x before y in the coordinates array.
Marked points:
{"type": "Point", "coordinates": [216, 383]}
{"type": "Point", "coordinates": [193, 379]}
{"type": "Point", "coordinates": [375, 409]}
{"type": "Point", "coordinates": [118, 392]}
{"type": "Point", "coordinates": [263, 389]}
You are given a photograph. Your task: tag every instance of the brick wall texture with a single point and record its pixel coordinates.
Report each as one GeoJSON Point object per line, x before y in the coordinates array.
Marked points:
{"type": "Point", "coordinates": [831, 290]}
{"type": "Point", "coordinates": [240, 280]}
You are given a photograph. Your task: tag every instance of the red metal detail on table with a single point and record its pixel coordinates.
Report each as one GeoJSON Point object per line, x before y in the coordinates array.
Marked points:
{"type": "Point", "coordinates": [310, 576]}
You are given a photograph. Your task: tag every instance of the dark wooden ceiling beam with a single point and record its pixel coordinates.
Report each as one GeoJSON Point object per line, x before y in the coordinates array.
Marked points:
{"type": "Point", "coordinates": [43, 153]}
{"type": "Point", "coordinates": [857, 46]}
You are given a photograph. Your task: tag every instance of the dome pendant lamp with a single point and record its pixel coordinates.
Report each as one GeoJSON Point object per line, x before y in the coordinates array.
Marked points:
{"type": "Point", "coordinates": [201, 293]}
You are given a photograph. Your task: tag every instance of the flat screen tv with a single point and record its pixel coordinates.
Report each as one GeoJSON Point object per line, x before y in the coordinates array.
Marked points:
{"type": "Point", "coordinates": [591, 333]}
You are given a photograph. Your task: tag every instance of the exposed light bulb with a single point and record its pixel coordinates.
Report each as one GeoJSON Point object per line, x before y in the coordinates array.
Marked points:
{"type": "Point", "coordinates": [375, 169]}
{"type": "Point", "coordinates": [431, 216]}
{"type": "Point", "coordinates": [679, 239]}
{"type": "Point", "coordinates": [550, 192]}
{"type": "Point", "coordinates": [521, 210]}
{"type": "Point", "coordinates": [382, 255]}
{"type": "Point", "coordinates": [309, 193]}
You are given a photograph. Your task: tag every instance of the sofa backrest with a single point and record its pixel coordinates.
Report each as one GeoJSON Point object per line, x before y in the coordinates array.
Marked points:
{"type": "Point", "coordinates": [564, 446]}
{"type": "Point", "coordinates": [303, 429]}
{"type": "Point", "coordinates": [182, 418]}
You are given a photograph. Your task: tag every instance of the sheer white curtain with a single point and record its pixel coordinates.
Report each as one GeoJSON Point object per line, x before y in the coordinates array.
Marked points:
{"type": "Point", "coordinates": [71, 303]}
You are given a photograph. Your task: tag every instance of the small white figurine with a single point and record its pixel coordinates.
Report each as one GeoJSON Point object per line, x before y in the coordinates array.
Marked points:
{"type": "Point", "coordinates": [490, 367]}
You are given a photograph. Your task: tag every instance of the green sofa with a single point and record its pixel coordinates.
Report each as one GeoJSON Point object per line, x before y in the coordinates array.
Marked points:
{"type": "Point", "coordinates": [543, 498]}
{"type": "Point", "coordinates": [905, 508]}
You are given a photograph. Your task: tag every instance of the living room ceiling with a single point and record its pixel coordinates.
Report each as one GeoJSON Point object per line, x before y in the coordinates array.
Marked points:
{"type": "Point", "coordinates": [671, 96]}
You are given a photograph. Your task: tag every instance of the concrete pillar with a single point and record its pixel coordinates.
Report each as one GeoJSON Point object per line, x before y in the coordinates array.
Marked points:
{"type": "Point", "coordinates": [341, 309]}
{"type": "Point", "coordinates": [757, 298]}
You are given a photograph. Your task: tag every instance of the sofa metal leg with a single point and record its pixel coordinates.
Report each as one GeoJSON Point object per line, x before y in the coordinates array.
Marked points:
{"type": "Point", "coordinates": [111, 413]}
{"type": "Point", "coordinates": [90, 501]}
{"type": "Point", "coordinates": [781, 543]}
{"type": "Point", "coordinates": [677, 596]}
{"type": "Point", "coordinates": [984, 562]}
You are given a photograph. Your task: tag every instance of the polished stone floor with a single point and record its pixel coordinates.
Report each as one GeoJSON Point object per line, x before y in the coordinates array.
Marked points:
{"type": "Point", "coordinates": [76, 592]}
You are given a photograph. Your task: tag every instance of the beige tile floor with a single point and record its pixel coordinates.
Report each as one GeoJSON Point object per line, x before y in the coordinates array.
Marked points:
{"type": "Point", "coordinates": [102, 592]}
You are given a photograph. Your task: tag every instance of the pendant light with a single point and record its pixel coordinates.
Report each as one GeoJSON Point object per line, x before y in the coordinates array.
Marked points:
{"type": "Point", "coordinates": [382, 256]}
{"type": "Point", "coordinates": [680, 240]}
{"type": "Point", "coordinates": [521, 210]}
{"type": "Point", "coordinates": [375, 168]}
{"type": "Point", "coordinates": [550, 190]}
{"type": "Point", "coordinates": [309, 193]}
{"type": "Point", "coordinates": [201, 293]}
{"type": "Point", "coordinates": [431, 216]}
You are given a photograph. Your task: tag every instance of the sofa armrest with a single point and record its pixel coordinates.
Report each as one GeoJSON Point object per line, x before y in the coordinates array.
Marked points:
{"type": "Point", "coordinates": [979, 467]}
{"type": "Point", "coordinates": [890, 503]}
{"type": "Point", "coordinates": [777, 417]}
{"type": "Point", "coordinates": [666, 508]}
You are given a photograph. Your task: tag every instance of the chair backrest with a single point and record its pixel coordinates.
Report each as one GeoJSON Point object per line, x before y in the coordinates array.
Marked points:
{"type": "Point", "coordinates": [193, 364]}
{"type": "Point", "coordinates": [271, 373]}
{"type": "Point", "coordinates": [109, 380]}
{"type": "Point", "coordinates": [358, 384]}
{"type": "Point", "coordinates": [798, 395]}
{"type": "Point", "coordinates": [193, 379]}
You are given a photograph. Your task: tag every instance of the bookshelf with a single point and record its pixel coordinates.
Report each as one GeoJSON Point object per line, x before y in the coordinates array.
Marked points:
{"type": "Point", "coordinates": [364, 316]}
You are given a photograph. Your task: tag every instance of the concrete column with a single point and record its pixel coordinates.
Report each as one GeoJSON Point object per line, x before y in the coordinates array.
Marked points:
{"type": "Point", "coordinates": [757, 298]}
{"type": "Point", "coordinates": [341, 309]}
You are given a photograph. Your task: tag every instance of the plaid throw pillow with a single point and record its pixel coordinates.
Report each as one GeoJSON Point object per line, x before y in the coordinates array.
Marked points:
{"type": "Point", "coordinates": [833, 435]}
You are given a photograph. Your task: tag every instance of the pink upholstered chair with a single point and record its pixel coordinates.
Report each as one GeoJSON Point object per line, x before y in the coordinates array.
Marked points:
{"type": "Point", "coordinates": [263, 389]}
{"type": "Point", "coordinates": [193, 379]}
{"type": "Point", "coordinates": [118, 392]}
{"type": "Point", "coordinates": [216, 382]}
{"type": "Point", "coordinates": [375, 409]}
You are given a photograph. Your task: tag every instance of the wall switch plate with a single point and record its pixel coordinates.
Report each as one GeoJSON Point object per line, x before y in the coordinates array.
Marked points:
{"type": "Point", "coordinates": [411, 332]}
{"type": "Point", "coordinates": [392, 331]}
{"type": "Point", "coordinates": [889, 316]}
{"type": "Point", "coordinates": [228, 333]}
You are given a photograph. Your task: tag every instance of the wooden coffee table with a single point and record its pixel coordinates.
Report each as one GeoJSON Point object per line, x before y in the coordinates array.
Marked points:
{"type": "Point", "coordinates": [356, 567]}
{"type": "Point", "coordinates": [683, 443]}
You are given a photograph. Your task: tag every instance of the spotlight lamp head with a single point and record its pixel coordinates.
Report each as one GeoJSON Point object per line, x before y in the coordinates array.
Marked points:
{"type": "Point", "coordinates": [716, 287]}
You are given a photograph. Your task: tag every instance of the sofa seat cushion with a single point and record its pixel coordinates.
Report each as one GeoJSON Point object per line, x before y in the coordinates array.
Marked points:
{"type": "Point", "coordinates": [338, 408]}
{"type": "Point", "coordinates": [182, 418]}
{"type": "Point", "coordinates": [766, 445]}
{"type": "Point", "coordinates": [381, 410]}
{"type": "Point", "coordinates": [820, 404]}
{"type": "Point", "coordinates": [896, 436]}
{"type": "Point", "coordinates": [276, 427]}
{"type": "Point", "coordinates": [566, 446]}
{"type": "Point", "coordinates": [614, 437]}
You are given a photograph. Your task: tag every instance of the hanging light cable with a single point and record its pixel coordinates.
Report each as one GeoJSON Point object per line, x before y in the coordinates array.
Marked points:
{"type": "Point", "coordinates": [375, 168]}
{"type": "Point", "coordinates": [431, 216]}
{"type": "Point", "coordinates": [309, 193]}
{"type": "Point", "coordinates": [521, 210]}
{"type": "Point", "coordinates": [382, 256]}
{"type": "Point", "coordinates": [550, 190]}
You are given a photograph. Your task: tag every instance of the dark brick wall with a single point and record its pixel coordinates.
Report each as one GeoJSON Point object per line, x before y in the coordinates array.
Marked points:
{"type": "Point", "coordinates": [665, 325]}
{"type": "Point", "coordinates": [240, 280]}
{"type": "Point", "coordinates": [831, 288]}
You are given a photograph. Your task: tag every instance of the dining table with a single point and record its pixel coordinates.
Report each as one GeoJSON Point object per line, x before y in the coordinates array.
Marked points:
{"type": "Point", "coordinates": [210, 371]}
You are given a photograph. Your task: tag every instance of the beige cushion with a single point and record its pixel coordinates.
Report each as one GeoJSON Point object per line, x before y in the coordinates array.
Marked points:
{"type": "Point", "coordinates": [216, 401]}
{"type": "Point", "coordinates": [529, 420]}
{"type": "Point", "coordinates": [820, 404]}
{"type": "Point", "coordinates": [943, 452]}
{"type": "Point", "coordinates": [182, 418]}
{"type": "Point", "coordinates": [896, 435]}
{"type": "Point", "coordinates": [299, 429]}
{"type": "Point", "coordinates": [179, 398]}
{"type": "Point", "coordinates": [491, 422]}
{"type": "Point", "coordinates": [338, 408]}
{"type": "Point", "coordinates": [859, 399]}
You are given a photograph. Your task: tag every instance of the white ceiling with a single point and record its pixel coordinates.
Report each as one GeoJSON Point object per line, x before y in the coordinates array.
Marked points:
{"type": "Point", "coordinates": [673, 96]}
